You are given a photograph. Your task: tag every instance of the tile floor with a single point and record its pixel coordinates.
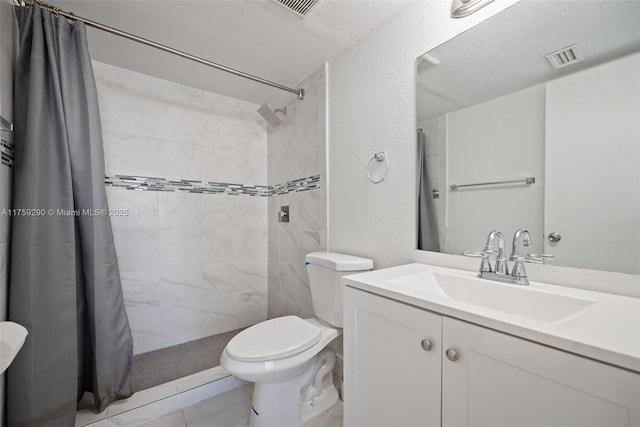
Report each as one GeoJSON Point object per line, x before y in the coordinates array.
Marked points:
{"type": "Point", "coordinates": [230, 409]}
{"type": "Point", "coordinates": [158, 401]}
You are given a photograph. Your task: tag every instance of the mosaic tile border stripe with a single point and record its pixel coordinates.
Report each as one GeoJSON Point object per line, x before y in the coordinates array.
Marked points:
{"type": "Point", "coordinates": [6, 151]}
{"type": "Point", "coordinates": [302, 184]}
{"type": "Point", "coordinates": [145, 183]}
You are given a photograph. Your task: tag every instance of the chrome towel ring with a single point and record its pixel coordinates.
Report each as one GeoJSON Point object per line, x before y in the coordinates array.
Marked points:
{"type": "Point", "coordinates": [378, 157]}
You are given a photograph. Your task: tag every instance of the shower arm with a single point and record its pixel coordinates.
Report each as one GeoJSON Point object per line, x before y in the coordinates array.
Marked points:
{"type": "Point", "coordinates": [58, 11]}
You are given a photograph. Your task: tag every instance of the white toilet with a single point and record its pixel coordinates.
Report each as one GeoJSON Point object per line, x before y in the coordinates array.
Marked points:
{"type": "Point", "coordinates": [286, 357]}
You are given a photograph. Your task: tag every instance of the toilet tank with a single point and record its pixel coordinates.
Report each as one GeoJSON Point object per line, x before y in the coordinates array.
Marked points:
{"type": "Point", "coordinates": [325, 270]}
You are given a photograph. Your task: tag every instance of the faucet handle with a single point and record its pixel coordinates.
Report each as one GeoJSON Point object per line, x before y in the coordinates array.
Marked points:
{"type": "Point", "coordinates": [540, 258]}
{"type": "Point", "coordinates": [501, 266]}
{"type": "Point", "coordinates": [485, 264]}
{"type": "Point", "coordinates": [518, 270]}
{"type": "Point", "coordinates": [474, 254]}
{"type": "Point", "coordinates": [478, 254]}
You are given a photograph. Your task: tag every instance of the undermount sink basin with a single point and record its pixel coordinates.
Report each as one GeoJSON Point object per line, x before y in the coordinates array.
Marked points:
{"type": "Point", "coordinates": [12, 338]}
{"type": "Point", "coordinates": [524, 301]}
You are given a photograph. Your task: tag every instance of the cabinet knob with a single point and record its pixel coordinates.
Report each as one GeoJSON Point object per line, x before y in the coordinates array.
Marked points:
{"type": "Point", "coordinates": [426, 345]}
{"type": "Point", "coordinates": [452, 354]}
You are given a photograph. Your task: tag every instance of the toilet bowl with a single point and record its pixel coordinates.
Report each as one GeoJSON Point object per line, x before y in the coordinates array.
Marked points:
{"type": "Point", "coordinates": [287, 357]}
{"type": "Point", "coordinates": [281, 378]}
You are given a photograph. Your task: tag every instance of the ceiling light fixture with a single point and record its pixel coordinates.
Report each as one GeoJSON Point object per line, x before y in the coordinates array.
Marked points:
{"type": "Point", "coordinates": [461, 8]}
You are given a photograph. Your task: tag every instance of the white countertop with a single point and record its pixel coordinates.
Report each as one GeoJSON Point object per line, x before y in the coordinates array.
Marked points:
{"type": "Point", "coordinates": [608, 331]}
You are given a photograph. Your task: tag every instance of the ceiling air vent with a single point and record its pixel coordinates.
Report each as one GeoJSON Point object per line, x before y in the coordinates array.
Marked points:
{"type": "Point", "coordinates": [299, 7]}
{"type": "Point", "coordinates": [565, 56]}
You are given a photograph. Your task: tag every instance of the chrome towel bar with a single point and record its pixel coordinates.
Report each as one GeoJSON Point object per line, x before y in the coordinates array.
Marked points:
{"type": "Point", "coordinates": [528, 181]}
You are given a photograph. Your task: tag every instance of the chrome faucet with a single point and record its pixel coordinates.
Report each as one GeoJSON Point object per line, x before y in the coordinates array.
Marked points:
{"type": "Point", "coordinates": [495, 237]}
{"type": "Point", "coordinates": [501, 263]}
{"type": "Point", "coordinates": [519, 274]}
{"type": "Point", "coordinates": [500, 272]}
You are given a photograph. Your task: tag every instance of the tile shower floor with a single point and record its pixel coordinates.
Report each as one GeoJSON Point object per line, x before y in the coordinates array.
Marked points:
{"type": "Point", "coordinates": [230, 409]}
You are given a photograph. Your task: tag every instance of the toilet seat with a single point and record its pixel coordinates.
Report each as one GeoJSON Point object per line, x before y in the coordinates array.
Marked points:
{"type": "Point", "coordinates": [273, 339]}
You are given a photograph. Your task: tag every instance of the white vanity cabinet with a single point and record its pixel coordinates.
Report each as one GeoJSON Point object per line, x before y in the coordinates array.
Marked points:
{"type": "Point", "coordinates": [495, 379]}
{"type": "Point", "coordinates": [390, 379]}
{"type": "Point", "coordinates": [501, 380]}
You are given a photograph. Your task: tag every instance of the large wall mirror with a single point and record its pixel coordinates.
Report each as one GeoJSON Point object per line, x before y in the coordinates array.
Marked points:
{"type": "Point", "coordinates": [546, 96]}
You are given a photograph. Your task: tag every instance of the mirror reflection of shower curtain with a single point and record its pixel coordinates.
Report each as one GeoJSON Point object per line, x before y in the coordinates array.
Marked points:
{"type": "Point", "coordinates": [65, 282]}
{"type": "Point", "coordinates": [427, 225]}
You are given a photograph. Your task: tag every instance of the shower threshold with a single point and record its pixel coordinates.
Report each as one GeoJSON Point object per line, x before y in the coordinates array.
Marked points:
{"type": "Point", "coordinates": [155, 402]}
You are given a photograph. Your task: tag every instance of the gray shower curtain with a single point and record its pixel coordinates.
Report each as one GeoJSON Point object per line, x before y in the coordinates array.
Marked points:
{"type": "Point", "coordinates": [427, 227]}
{"type": "Point", "coordinates": [65, 283]}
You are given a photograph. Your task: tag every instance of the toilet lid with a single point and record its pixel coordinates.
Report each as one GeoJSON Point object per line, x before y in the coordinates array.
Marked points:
{"type": "Point", "coordinates": [273, 339]}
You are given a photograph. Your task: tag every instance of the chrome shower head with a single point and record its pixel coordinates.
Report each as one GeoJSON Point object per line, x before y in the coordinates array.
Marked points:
{"type": "Point", "coordinates": [270, 116]}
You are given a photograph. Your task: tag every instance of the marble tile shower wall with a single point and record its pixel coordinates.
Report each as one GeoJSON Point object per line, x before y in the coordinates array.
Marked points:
{"type": "Point", "coordinates": [297, 149]}
{"type": "Point", "coordinates": [192, 264]}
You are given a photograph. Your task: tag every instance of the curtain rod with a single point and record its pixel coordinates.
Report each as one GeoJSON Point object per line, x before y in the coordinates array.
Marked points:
{"type": "Point", "coordinates": [99, 26]}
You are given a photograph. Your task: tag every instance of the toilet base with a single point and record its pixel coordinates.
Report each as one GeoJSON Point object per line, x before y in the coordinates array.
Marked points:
{"type": "Point", "coordinates": [321, 405]}
{"type": "Point", "coordinates": [298, 401]}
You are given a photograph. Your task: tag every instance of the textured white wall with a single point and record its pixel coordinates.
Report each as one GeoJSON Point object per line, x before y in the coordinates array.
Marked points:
{"type": "Point", "coordinates": [372, 108]}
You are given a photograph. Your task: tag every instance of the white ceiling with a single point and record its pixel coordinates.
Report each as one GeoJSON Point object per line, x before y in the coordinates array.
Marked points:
{"type": "Point", "coordinates": [258, 37]}
{"type": "Point", "coordinates": [507, 52]}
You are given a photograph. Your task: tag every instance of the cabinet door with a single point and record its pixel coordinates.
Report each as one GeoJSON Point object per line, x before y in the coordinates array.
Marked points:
{"type": "Point", "coordinates": [389, 378]}
{"type": "Point", "coordinates": [500, 380]}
